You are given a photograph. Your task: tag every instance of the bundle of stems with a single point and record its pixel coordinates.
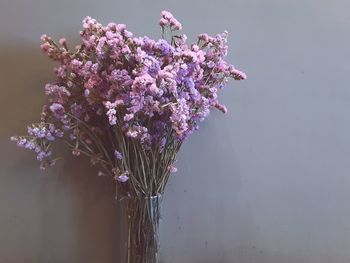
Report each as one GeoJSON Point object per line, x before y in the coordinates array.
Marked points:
{"type": "Point", "coordinates": [143, 222]}
{"type": "Point", "coordinates": [147, 166]}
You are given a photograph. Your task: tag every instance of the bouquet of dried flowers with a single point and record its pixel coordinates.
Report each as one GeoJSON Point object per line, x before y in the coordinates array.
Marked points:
{"type": "Point", "coordinates": [128, 103]}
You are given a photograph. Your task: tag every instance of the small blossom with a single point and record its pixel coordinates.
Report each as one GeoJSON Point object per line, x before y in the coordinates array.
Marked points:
{"type": "Point", "coordinates": [122, 178]}
{"type": "Point", "coordinates": [118, 155]}
{"type": "Point", "coordinates": [128, 117]}
{"type": "Point", "coordinates": [169, 20]}
{"type": "Point", "coordinates": [63, 41]}
{"type": "Point", "coordinates": [57, 109]}
{"type": "Point", "coordinates": [132, 133]}
{"type": "Point", "coordinates": [76, 152]}
{"type": "Point", "coordinates": [221, 107]}
{"type": "Point", "coordinates": [100, 173]}
{"type": "Point", "coordinates": [172, 169]}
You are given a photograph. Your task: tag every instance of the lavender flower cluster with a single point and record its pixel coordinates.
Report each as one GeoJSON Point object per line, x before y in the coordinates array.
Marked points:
{"type": "Point", "coordinates": [152, 91]}
{"type": "Point", "coordinates": [38, 140]}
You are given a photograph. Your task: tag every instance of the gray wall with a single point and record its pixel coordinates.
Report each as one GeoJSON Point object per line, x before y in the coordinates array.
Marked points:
{"type": "Point", "coordinates": [267, 183]}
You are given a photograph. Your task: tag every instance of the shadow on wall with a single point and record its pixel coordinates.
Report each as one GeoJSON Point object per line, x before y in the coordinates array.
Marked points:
{"type": "Point", "coordinates": [66, 214]}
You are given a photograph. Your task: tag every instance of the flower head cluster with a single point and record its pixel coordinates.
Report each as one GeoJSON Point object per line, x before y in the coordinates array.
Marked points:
{"type": "Point", "coordinates": [168, 20]}
{"type": "Point", "coordinates": [119, 89]}
{"type": "Point", "coordinates": [39, 140]}
{"type": "Point", "coordinates": [138, 81]}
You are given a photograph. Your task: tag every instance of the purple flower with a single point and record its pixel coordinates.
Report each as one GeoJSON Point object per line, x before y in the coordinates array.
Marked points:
{"type": "Point", "coordinates": [189, 83]}
{"type": "Point", "coordinates": [42, 155]}
{"type": "Point", "coordinates": [111, 112]}
{"type": "Point", "coordinates": [164, 47]}
{"type": "Point", "coordinates": [132, 134]}
{"type": "Point", "coordinates": [162, 144]}
{"type": "Point", "coordinates": [118, 155]}
{"type": "Point", "coordinates": [153, 68]}
{"type": "Point", "coordinates": [57, 109]}
{"type": "Point", "coordinates": [122, 178]}
{"type": "Point", "coordinates": [76, 109]}
{"type": "Point", "coordinates": [57, 93]}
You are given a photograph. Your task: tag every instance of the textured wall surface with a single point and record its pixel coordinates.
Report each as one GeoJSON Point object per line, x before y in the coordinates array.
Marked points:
{"type": "Point", "coordinates": [267, 183]}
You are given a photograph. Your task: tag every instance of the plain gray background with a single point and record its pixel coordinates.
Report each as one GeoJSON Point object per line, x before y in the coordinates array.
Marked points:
{"type": "Point", "coordinates": [267, 183]}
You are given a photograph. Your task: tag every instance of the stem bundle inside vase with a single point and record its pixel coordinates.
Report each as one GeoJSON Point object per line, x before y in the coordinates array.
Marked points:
{"type": "Point", "coordinates": [128, 103]}
{"type": "Point", "coordinates": [143, 222]}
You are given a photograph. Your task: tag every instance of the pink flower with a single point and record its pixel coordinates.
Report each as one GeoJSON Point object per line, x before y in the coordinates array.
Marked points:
{"type": "Point", "coordinates": [221, 107]}
{"type": "Point", "coordinates": [63, 41]}
{"type": "Point", "coordinates": [132, 133]}
{"type": "Point", "coordinates": [169, 20]}
{"type": "Point", "coordinates": [128, 117]}
{"type": "Point", "coordinates": [172, 168]}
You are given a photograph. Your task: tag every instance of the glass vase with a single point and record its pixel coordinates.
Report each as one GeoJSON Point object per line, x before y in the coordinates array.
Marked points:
{"type": "Point", "coordinates": [143, 215]}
